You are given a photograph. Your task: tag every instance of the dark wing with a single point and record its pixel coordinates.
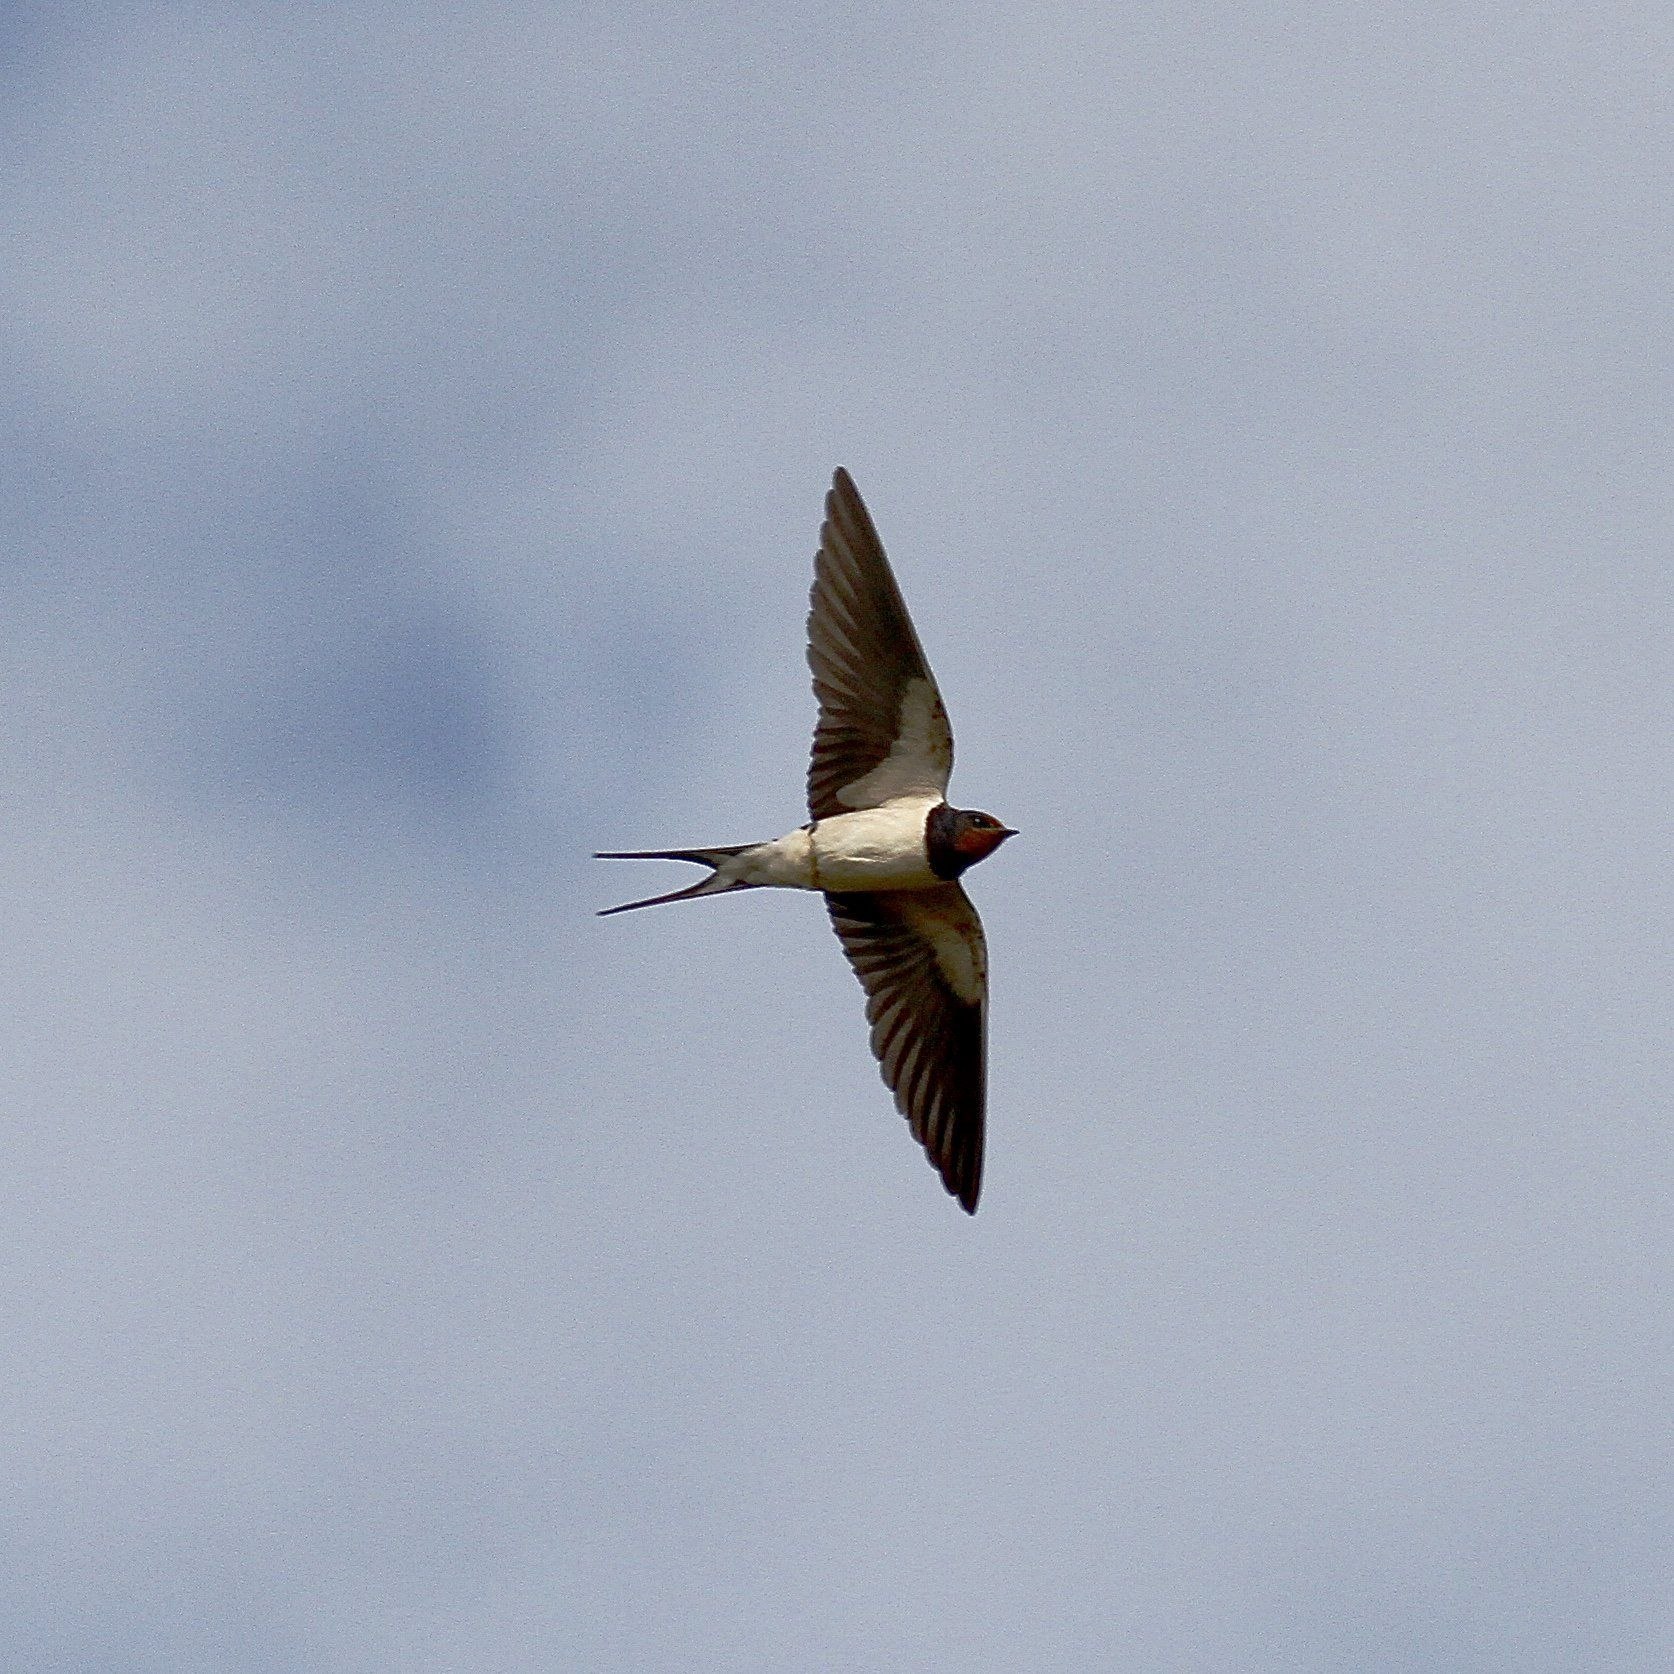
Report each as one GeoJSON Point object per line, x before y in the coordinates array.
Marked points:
{"type": "Point", "coordinates": [920, 956]}
{"type": "Point", "coordinates": [882, 731]}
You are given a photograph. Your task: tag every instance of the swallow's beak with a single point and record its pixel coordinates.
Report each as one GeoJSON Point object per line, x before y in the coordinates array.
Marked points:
{"type": "Point", "coordinates": [1005, 832]}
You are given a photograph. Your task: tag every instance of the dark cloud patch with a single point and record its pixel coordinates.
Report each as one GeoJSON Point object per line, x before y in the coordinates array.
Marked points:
{"type": "Point", "coordinates": [362, 683]}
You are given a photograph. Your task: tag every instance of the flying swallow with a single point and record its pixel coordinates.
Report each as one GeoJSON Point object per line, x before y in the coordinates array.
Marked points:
{"type": "Point", "coordinates": [883, 846]}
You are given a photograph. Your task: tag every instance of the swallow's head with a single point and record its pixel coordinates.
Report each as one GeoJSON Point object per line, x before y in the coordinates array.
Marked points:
{"type": "Point", "coordinates": [974, 836]}
{"type": "Point", "coordinates": [959, 837]}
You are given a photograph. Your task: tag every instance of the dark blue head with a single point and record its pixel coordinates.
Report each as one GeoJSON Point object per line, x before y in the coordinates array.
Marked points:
{"type": "Point", "coordinates": [957, 838]}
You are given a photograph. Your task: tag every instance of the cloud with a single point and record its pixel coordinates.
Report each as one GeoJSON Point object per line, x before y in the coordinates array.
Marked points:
{"type": "Point", "coordinates": [419, 426]}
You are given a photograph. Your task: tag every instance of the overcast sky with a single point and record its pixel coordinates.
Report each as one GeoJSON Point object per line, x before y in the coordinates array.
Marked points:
{"type": "Point", "coordinates": [417, 421]}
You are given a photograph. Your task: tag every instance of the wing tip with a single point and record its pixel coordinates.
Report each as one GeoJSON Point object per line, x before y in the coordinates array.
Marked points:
{"type": "Point", "coordinates": [963, 1179]}
{"type": "Point", "coordinates": [844, 506]}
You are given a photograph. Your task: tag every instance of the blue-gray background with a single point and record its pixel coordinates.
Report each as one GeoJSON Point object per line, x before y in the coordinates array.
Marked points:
{"type": "Point", "coordinates": [417, 418]}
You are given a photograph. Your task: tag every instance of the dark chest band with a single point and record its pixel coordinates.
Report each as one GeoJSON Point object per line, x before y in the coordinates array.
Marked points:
{"type": "Point", "coordinates": [945, 860]}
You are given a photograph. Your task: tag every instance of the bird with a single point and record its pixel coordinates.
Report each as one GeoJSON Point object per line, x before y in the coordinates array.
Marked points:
{"type": "Point", "coordinates": [883, 845]}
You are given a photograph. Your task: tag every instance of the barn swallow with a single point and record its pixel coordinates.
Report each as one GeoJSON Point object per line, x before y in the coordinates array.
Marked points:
{"type": "Point", "coordinates": [883, 846]}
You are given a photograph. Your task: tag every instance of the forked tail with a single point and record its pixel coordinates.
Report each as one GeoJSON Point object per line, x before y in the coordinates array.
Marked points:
{"type": "Point", "coordinates": [714, 884]}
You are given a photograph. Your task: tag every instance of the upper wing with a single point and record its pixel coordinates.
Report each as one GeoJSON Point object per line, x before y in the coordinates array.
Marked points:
{"type": "Point", "coordinates": [921, 957]}
{"type": "Point", "coordinates": [882, 730]}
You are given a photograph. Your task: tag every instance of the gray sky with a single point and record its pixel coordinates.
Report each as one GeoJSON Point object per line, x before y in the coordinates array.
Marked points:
{"type": "Point", "coordinates": [418, 419]}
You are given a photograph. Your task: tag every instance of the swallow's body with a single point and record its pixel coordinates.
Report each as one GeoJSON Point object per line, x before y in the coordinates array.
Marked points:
{"type": "Point", "coordinates": [897, 846]}
{"type": "Point", "coordinates": [884, 846]}
{"type": "Point", "coordinates": [872, 848]}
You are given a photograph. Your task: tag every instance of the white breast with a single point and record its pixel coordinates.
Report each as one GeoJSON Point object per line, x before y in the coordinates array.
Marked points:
{"type": "Point", "coordinates": [872, 848]}
{"type": "Point", "coordinates": [875, 848]}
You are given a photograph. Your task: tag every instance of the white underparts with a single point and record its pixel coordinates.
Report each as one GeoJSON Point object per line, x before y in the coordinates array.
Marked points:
{"type": "Point", "coordinates": [872, 848]}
